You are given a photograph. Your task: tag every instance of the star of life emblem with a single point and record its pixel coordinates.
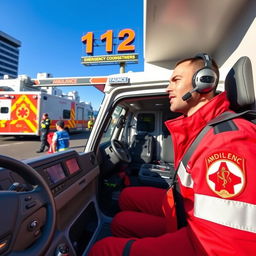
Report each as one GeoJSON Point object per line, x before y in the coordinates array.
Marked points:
{"type": "Point", "coordinates": [225, 174]}
{"type": "Point", "coordinates": [22, 112]}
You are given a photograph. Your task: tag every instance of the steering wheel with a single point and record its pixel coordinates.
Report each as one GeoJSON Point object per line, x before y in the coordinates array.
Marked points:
{"type": "Point", "coordinates": [121, 151]}
{"type": "Point", "coordinates": [24, 212]}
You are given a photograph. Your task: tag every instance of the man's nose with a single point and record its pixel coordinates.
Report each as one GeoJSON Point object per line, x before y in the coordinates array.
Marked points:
{"type": "Point", "coordinates": [169, 87]}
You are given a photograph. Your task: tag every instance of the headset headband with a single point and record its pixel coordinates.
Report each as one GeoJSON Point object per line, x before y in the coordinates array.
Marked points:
{"type": "Point", "coordinates": [205, 79]}
{"type": "Point", "coordinates": [206, 58]}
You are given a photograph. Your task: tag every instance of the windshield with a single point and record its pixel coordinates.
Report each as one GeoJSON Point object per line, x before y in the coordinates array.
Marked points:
{"type": "Point", "coordinates": [112, 124]}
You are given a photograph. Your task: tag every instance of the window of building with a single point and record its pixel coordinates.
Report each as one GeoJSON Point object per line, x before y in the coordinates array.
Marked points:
{"type": "Point", "coordinates": [8, 65]}
{"type": "Point", "coordinates": [15, 62]}
{"type": "Point", "coordinates": [8, 71]}
{"type": "Point", "coordinates": [14, 50]}
{"type": "Point", "coordinates": [9, 54]}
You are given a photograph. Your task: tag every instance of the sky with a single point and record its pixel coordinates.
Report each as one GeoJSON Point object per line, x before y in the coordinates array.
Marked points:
{"type": "Point", "coordinates": [50, 32]}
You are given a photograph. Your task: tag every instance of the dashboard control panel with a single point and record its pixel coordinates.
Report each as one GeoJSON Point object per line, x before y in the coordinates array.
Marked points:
{"type": "Point", "coordinates": [61, 174]}
{"type": "Point", "coordinates": [59, 171]}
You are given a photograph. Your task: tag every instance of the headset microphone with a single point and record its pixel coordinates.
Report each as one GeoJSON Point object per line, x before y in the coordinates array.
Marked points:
{"type": "Point", "coordinates": [188, 95]}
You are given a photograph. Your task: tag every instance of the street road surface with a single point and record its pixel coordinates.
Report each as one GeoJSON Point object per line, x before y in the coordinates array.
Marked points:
{"type": "Point", "coordinates": [26, 147]}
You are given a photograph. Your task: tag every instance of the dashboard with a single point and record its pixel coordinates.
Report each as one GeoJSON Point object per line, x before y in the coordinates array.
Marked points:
{"type": "Point", "coordinates": [72, 179]}
{"type": "Point", "coordinates": [60, 171]}
{"type": "Point", "coordinates": [60, 174]}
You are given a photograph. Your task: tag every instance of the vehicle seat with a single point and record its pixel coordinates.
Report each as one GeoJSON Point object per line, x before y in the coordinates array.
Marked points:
{"type": "Point", "coordinates": [167, 155]}
{"type": "Point", "coordinates": [156, 174]}
{"type": "Point", "coordinates": [239, 86]}
{"type": "Point", "coordinates": [142, 143]}
{"type": "Point", "coordinates": [141, 148]}
{"type": "Point", "coordinates": [160, 174]}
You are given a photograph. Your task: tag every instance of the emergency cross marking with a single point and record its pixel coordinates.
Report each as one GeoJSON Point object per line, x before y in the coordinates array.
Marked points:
{"type": "Point", "coordinates": [225, 174]}
{"type": "Point", "coordinates": [22, 112]}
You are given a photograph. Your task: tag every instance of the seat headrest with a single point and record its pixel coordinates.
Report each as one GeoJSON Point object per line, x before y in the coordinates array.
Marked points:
{"type": "Point", "coordinates": [239, 85]}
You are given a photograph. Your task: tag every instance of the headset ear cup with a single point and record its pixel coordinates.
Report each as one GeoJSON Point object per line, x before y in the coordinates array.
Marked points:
{"type": "Point", "coordinates": [194, 78]}
{"type": "Point", "coordinates": [204, 80]}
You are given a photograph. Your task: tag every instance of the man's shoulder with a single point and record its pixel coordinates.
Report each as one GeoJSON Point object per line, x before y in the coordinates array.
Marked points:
{"type": "Point", "coordinates": [231, 121]}
{"type": "Point", "coordinates": [246, 125]}
{"type": "Point", "coordinates": [64, 132]}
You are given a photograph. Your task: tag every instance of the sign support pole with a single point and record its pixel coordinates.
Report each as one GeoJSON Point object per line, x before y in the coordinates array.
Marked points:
{"type": "Point", "coordinates": [122, 67]}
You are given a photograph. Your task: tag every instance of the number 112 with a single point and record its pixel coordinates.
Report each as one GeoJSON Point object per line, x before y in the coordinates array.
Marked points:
{"type": "Point", "coordinates": [127, 35]}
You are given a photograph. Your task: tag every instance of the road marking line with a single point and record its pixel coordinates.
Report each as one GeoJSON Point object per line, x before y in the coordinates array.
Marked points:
{"type": "Point", "coordinates": [11, 144]}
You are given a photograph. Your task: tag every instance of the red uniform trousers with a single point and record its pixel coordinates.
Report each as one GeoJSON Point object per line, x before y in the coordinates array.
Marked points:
{"type": "Point", "coordinates": [143, 219]}
{"type": "Point", "coordinates": [170, 244]}
{"type": "Point", "coordinates": [141, 213]}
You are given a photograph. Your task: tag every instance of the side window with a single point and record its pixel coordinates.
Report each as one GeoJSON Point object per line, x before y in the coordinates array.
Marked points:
{"type": "Point", "coordinates": [112, 125]}
{"type": "Point", "coordinates": [66, 114]}
{"type": "Point", "coordinates": [4, 110]}
{"type": "Point", "coordinates": [146, 122]}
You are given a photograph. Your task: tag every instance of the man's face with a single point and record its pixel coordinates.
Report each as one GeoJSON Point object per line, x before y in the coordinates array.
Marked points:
{"type": "Point", "coordinates": [180, 84]}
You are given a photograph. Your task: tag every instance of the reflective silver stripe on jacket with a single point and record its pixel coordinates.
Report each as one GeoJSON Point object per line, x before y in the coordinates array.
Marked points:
{"type": "Point", "coordinates": [65, 138]}
{"type": "Point", "coordinates": [230, 213]}
{"type": "Point", "coordinates": [185, 178]}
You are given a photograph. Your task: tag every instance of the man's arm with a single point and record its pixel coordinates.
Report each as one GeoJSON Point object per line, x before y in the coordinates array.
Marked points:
{"type": "Point", "coordinates": [224, 184]}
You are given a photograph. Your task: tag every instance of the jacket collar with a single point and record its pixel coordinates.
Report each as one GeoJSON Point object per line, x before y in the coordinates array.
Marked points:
{"type": "Point", "coordinates": [185, 129]}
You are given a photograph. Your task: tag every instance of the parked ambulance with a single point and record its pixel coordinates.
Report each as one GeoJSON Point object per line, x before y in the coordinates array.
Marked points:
{"type": "Point", "coordinates": [22, 106]}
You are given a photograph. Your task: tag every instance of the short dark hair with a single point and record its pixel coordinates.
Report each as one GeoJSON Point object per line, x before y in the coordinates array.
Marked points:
{"type": "Point", "coordinates": [60, 123]}
{"type": "Point", "coordinates": [201, 65]}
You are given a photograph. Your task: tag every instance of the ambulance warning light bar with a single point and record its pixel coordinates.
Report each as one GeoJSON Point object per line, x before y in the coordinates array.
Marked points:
{"type": "Point", "coordinates": [67, 81]}
{"type": "Point", "coordinates": [98, 82]}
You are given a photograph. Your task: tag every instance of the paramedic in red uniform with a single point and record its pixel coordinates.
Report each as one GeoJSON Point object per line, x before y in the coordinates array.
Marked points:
{"type": "Point", "coordinates": [218, 185]}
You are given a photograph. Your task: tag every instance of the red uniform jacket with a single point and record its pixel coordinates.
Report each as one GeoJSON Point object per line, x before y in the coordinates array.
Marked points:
{"type": "Point", "coordinates": [219, 182]}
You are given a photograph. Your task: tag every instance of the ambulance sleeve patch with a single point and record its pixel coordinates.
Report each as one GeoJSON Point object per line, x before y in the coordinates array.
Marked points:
{"type": "Point", "coordinates": [225, 174]}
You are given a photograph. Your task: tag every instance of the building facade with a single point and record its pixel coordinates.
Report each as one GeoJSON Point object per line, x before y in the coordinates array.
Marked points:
{"type": "Point", "coordinates": [9, 55]}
